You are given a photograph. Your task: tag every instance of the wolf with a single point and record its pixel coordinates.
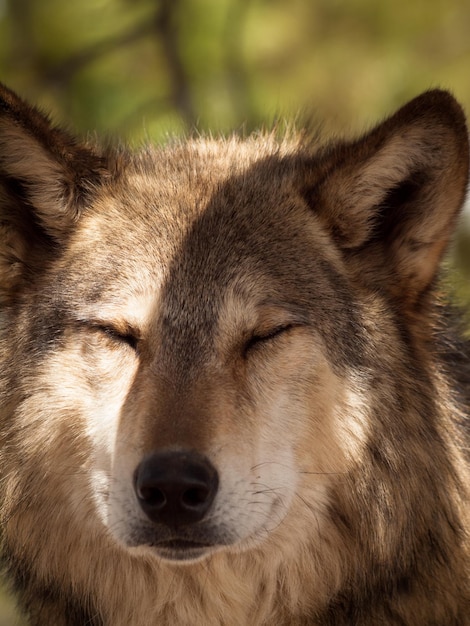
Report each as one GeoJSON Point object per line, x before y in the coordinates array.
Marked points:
{"type": "Point", "coordinates": [231, 390]}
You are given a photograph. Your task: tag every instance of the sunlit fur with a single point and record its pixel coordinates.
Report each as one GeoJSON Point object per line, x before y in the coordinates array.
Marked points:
{"type": "Point", "coordinates": [270, 304]}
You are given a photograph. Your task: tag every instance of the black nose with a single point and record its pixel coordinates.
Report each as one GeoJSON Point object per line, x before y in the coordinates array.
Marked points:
{"type": "Point", "coordinates": [175, 488]}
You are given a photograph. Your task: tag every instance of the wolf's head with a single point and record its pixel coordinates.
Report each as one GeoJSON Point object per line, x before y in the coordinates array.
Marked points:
{"type": "Point", "coordinates": [202, 340]}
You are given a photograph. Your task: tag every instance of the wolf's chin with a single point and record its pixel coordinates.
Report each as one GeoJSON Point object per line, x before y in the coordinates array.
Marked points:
{"type": "Point", "coordinates": [184, 552]}
{"type": "Point", "coordinates": [178, 552]}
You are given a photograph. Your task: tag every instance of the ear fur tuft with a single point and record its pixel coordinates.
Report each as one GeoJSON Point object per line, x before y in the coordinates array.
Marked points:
{"type": "Point", "coordinates": [395, 194]}
{"type": "Point", "coordinates": [54, 172]}
{"type": "Point", "coordinates": [46, 179]}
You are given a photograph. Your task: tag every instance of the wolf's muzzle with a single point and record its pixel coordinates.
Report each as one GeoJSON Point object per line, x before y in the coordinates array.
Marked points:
{"type": "Point", "coordinates": [175, 488]}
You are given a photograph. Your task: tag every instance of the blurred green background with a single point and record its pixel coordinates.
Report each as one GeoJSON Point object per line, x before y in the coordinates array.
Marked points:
{"type": "Point", "coordinates": [143, 68]}
{"type": "Point", "coordinates": [146, 69]}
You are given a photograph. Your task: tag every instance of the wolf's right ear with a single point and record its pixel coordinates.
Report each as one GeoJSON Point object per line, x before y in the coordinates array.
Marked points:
{"type": "Point", "coordinates": [43, 165]}
{"type": "Point", "coordinates": [46, 178]}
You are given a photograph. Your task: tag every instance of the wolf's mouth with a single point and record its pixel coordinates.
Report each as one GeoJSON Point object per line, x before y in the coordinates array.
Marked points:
{"type": "Point", "coordinates": [182, 549]}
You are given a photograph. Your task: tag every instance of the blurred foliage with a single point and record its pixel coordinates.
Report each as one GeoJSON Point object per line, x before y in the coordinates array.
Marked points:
{"type": "Point", "coordinates": [143, 69]}
{"type": "Point", "coordinates": [8, 614]}
{"type": "Point", "coordinates": [458, 272]}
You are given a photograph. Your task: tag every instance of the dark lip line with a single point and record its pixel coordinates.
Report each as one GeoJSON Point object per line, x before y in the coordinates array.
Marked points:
{"type": "Point", "coordinates": [186, 551]}
{"type": "Point", "coordinates": [181, 542]}
{"type": "Point", "coordinates": [180, 545]}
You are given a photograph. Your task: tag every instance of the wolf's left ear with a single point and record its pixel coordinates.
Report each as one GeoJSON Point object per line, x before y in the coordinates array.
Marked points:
{"type": "Point", "coordinates": [42, 167]}
{"type": "Point", "coordinates": [391, 199]}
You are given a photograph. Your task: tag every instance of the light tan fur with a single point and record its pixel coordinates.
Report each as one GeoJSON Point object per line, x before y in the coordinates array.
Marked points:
{"type": "Point", "coordinates": [270, 305]}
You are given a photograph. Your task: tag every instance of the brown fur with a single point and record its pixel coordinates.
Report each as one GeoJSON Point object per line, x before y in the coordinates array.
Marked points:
{"type": "Point", "coordinates": [268, 305]}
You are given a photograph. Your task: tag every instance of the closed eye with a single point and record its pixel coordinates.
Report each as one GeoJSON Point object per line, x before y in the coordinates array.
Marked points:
{"type": "Point", "coordinates": [128, 338]}
{"type": "Point", "coordinates": [261, 338]}
{"type": "Point", "coordinates": [125, 335]}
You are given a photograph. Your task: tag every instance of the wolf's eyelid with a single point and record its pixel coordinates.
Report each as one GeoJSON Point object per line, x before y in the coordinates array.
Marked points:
{"type": "Point", "coordinates": [267, 336]}
{"type": "Point", "coordinates": [128, 336]}
{"type": "Point", "coordinates": [125, 337]}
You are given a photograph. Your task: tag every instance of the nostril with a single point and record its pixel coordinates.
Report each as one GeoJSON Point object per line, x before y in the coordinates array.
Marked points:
{"type": "Point", "coordinates": [175, 487]}
{"type": "Point", "coordinates": [194, 497]}
{"type": "Point", "coordinates": [152, 495]}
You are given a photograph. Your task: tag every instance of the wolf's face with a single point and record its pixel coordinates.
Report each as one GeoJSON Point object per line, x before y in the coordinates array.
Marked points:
{"type": "Point", "coordinates": [201, 327]}
{"type": "Point", "coordinates": [211, 336]}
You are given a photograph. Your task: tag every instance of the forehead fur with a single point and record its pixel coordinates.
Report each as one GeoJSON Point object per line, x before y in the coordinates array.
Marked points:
{"type": "Point", "coordinates": [222, 201]}
{"type": "Point", "coordinates": [184, 176]}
